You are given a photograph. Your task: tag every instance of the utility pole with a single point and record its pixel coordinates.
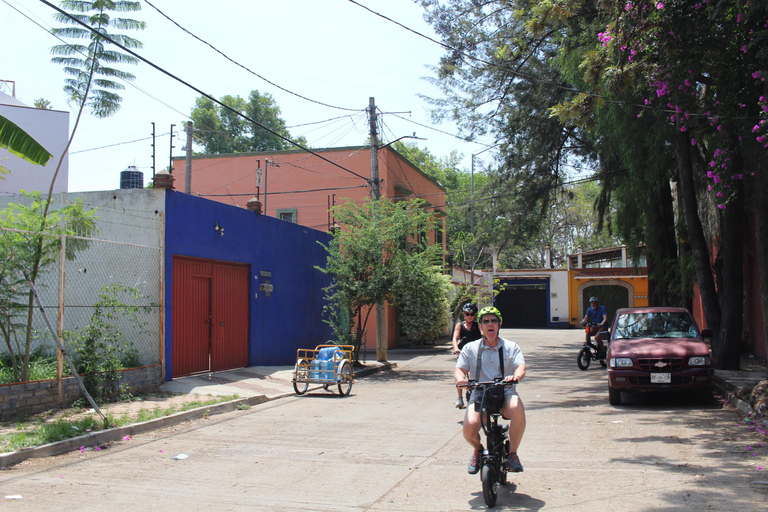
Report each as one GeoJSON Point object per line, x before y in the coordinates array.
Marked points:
{"type": "Point", "coordinates": [375, 192]}
{"type": "Point", "coordinates": [188, 162]}
{"type": "Point", "coordinates": [153, 152]}
{"type": "Point", "coordinates": [266, 167]}
{"type": "Point", "coordinates": [381, 341]}
{"type": "Point", "coordinates": [170, 153]}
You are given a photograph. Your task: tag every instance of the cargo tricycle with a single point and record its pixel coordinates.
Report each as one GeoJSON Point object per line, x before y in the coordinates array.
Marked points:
{"type": "Point", "coordinates": [326, 365]}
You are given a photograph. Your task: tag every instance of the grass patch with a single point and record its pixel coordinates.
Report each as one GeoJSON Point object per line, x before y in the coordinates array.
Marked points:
{"type": "Point", "coordinates": [37, 432]}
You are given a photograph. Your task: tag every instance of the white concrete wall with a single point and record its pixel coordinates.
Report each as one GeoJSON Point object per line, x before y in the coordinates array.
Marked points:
{"type": "Point", "coordinates": [50, 128]}
{"type": "Point", "coordinates": [558, 289]}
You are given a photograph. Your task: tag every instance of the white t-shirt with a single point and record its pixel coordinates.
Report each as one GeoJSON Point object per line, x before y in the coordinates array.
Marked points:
{"type": "Point", "coordinates": [490, 367]}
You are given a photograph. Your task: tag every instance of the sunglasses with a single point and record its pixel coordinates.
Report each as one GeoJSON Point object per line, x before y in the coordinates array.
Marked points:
{"type": "Point", "coordinates": [489, 321]}
{"type": "Point", "coordinates": [468, 314]}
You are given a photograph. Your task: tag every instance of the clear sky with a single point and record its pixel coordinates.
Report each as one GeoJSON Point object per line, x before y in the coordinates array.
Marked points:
{"type": "Point", "coordinates": [330, 51]}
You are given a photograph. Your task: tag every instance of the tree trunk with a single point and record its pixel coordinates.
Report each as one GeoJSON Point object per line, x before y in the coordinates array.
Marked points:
{"type": "Point", "coordinates": [732, 291]}
{"type": "Point", "coordinates": [696, 238]}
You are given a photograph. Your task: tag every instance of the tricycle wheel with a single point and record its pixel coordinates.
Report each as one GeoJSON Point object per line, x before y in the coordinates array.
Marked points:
{"type": "Point", "coordinates": [488, 475]}
{"type": "Point", "coordinates": [300, 371]}
{"type": "Point", "coordinates": [585, 356]}
{"type": "Point", "coordinates": [345, 378]}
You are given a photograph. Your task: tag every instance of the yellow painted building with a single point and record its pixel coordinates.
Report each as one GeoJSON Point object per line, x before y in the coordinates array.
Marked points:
{"type": "Point", "coordinates": [609, 275]}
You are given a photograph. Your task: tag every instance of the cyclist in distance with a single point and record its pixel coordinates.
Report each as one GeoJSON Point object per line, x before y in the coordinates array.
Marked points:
{"type": "Point", "coordinates": [598, 316]}
{"type": "Point", "coordinates": [484, 360]}
{"type": "Point", "coordinates": [465, 331]}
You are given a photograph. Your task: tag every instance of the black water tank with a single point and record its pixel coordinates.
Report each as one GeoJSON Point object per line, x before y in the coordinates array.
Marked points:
{"type": "Point", "coordinates": [131, 178]}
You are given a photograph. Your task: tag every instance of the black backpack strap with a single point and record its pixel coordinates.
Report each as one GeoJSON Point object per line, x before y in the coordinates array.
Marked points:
{"type": "Point", "coordinates": [480, 358]}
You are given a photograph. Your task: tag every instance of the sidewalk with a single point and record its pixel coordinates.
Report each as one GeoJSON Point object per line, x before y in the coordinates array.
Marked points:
{"type": "Point", "coordinates": [734, 385]}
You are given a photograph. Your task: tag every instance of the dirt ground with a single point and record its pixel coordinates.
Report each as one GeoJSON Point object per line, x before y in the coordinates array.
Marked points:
{"type": "Point", "coordinates": [131, 408]}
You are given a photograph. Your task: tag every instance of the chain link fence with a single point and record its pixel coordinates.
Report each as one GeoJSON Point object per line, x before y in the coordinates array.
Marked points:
{"type": "Point", "coordinates": [109, 293]}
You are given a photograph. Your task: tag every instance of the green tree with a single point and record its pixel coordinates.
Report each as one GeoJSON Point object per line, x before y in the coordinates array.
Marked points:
{"type": "Point", "coordinates": [368, 260]}
{"type": "Point", "coordinates": [29, 240]}
{"type": "Point", "coordinates": [220, 130]}
{"type": "Point", "coordinates": [42, 103]}
{"type": "Point", "coordinates": [643, 92]}
{"type": "Point", "coordinates": [93, 82]}
{"type": "Point", "coordinates": [703, 88]}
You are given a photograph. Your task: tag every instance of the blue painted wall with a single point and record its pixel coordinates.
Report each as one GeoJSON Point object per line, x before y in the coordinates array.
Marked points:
{"type": "Point", "coordinates": [291, 317]}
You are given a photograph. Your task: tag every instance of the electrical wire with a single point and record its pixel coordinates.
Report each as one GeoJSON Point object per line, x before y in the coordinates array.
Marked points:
{"type": "Point", "coordinates": [244, 67]}
{"type": "Point", "coordinates": [199, 91]}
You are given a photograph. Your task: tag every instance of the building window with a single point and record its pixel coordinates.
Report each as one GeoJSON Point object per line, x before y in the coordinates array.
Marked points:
{"type": "Point", "coordinates": [288, 214]}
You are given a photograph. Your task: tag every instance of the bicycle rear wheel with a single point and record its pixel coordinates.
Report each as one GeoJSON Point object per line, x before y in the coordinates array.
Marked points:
{"type": "Point", "coordinates": [488, 476]}
{"type": "Point", "coordinates": [345, 382]}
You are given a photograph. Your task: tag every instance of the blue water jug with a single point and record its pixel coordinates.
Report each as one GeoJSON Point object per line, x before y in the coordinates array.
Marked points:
{"type": "Point", "coordinates": [314, 369]}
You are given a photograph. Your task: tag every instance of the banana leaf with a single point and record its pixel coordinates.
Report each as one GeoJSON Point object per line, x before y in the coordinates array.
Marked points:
{"type": "Point", "coordinates": [20, 143]}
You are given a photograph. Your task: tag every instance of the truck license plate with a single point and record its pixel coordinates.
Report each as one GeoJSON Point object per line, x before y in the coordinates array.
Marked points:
{"type": "Point", "coordinates": [661, 378]}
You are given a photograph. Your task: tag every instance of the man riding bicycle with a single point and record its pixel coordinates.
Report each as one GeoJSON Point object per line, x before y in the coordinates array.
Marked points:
{"type": "Point", "coordinates": [597, 316]}
{"type": "Point", "coordinates": [486, 359]}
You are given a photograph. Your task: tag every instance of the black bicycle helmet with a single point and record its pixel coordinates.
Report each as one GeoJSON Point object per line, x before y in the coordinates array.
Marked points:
{"type": "Point", "coordinates": [593, 299]}
{"type": "Point", "coordinates": [470, 308]}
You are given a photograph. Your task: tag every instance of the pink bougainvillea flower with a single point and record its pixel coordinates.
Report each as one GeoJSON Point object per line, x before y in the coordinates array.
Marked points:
{"type": "Point", "coordinates": [659, 5]}
{"type": "Point", "coordinates": [683, 129]}
{"type": "Point", "coordinates": [98, 448]}
{"type": "Point", "coordinates": [721, 206]}
{"type": "Point", "coordinates": [693, 141]}
{"type": "Point", "coordinates": [127, 438]}
{"type": "Point", "coordinates": [756, 74]}
{"type": "Point", "coordinates": [719, 194]}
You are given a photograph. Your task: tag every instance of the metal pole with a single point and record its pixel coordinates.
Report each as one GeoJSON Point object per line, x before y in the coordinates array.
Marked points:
{"type": "Point", "coordinates": [170, 153]}
{"type": "Point", "coordinates": [153, 151]}
{"type": "Point", "coordinates": [266, 166]}
{"type": "Point", "coordinates": [188, 162]}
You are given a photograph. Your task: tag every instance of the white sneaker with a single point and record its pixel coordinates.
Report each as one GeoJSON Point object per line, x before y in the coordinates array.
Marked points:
{"type": "Point", "coordinates": [460, 403]}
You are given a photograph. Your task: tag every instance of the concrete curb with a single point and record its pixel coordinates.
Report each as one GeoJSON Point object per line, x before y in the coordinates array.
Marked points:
{"type": "Point", "coordinates": [118, 433]}
{"type": "Point", "coordinates": [729, 392]}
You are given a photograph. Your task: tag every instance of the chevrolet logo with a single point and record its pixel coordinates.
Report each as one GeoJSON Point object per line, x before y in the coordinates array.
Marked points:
{"type": "Point", "coordinates": [661, 364]}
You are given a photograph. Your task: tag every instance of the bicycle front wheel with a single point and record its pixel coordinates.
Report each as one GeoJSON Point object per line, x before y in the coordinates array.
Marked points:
{"type": "Point", "coordinates": [488, 475]}
{"type": "Point", "coordinates": [585, 357]}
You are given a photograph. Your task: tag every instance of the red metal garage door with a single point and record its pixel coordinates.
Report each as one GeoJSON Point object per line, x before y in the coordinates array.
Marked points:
{"type": "Point", "coordinates": [210, 316]}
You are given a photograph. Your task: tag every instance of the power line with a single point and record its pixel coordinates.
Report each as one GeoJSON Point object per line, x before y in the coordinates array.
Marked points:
{"type": "Point", "coordinates": [199, 91]}
{"type": "Point", "coordinates": [84, 55]}
{"type": "Point", "coordinates": [284, 192]}
{"type": "Point", "coordinates": [244, 67]}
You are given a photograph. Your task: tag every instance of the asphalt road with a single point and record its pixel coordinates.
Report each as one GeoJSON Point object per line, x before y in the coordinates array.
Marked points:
{"type": "Point", "coordinates": [395, 444]}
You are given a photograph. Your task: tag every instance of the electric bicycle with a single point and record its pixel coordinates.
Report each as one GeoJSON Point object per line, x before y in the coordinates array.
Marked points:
{"type": "Point", "coordinates": [590, 351]}
{"type": "Point", "coordinates": [493, 469]}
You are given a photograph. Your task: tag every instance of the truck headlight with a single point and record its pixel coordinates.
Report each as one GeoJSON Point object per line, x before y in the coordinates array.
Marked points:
{"type": "Point", "coordinates": [621, 362]}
